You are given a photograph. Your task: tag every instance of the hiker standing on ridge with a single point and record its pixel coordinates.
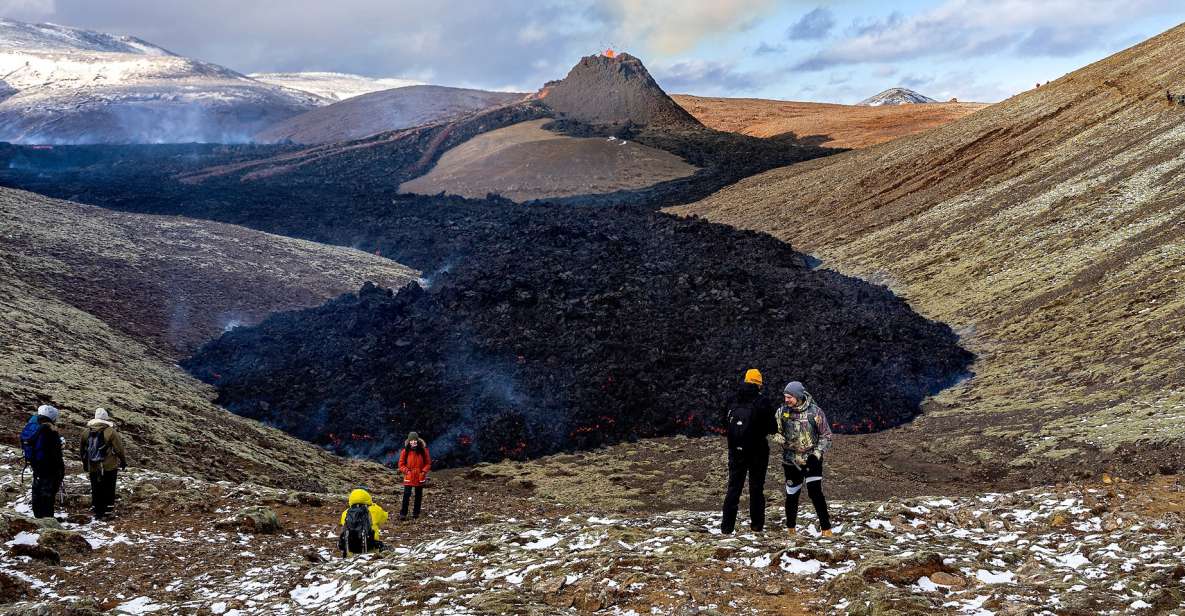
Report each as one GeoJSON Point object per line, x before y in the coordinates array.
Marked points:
{"type": "Point", "coordinates": [360, 524]}
{"type": "Point", "coordinates": [45, 457]}
{"type": "Point", "coordinates": [804, 434]}
{"type": "Point", "coordinates": [414, 463]}
{"type": "Point", "coordinates": [103, 456]}
{"type": "Point", "coordinates": [750, 419]}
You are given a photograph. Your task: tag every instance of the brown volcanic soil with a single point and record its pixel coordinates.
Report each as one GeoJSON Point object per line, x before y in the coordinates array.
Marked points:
{"type": "Point", "coordinates": [1048, 229]}
{"type": "Point", "coordinates": [173, 282]}
{"type": "Point", "coordinates": [386, 110]}
{"type": "Point", "coordinates": [96, 305]}
{"type": "Point", "coordinates": [834, 126]}
{"type": "Point", "coordinates": [523, 162]}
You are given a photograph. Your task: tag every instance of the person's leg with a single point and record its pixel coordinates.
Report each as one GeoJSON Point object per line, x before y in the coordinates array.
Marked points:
{"type": "Point", "coordinates": [109, 479]}
{"type": "Point", "coordinates": [406, 502]}
{"type": "Point", "coordinates": [36, 498]}
{"type": "Point", "coordinates": [757, 469]}
{"type": "Point", "coordinates": [415, 512]}
{"type": "Point", "coordinates": [732, 494]}
{"type": "Point", "coordinates": [814, 489]}
{"type": "Point", "coordinates": [793, 486]}
{"type": "Point", "coordinates": [96, 494]}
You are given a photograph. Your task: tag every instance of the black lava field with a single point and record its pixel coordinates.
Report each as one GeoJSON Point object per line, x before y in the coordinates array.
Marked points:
{"type": "Point", "coordinates": [567, 332]}
{"type": "Point", "coordinates": [540, 328]}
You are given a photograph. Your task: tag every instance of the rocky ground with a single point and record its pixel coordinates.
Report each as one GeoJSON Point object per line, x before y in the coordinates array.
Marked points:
{"type": "Point", "coordinates": [1106, 546]}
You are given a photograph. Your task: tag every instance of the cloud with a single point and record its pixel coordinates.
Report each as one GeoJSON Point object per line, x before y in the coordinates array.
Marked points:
{"type": "Point", "coordinates": [27, 9]}
{"type": "Point", "coordinates": [813, 26]}
{"type": "Point", "coordinates": [675, 26]}
{"type": "Point", "coordinates": [706, 78]}
{"type": "Point", "coordinates": [970, 28]}
{"type": "Point", "coordinates": [765, 49]}
{"type": "Point", "coordinates": [481, 43]}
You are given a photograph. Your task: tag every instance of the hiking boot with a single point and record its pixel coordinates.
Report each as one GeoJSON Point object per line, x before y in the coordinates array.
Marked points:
{"type": "Point", "coordinates": [793, 532]}
{"type": "Point", "coordinates": [828, 533]}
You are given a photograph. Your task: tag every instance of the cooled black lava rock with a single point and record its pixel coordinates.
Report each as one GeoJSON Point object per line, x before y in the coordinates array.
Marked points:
{"type": "Point", "coordinates": [563, 329]}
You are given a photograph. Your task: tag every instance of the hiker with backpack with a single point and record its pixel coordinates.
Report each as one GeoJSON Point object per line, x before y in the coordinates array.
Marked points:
{"type": "Point", "coordinates": [103, 456]}
{"type": "Point", "coordinates": [414, 463]}
{"type": "Point", "coordinates": [804, 434]}
{"type": "Point", "coordinates": [360, 524]}
{"type": "Point", "coordinates": [750, 418]}
{"type": "Point", "coordinates": [42, 446]}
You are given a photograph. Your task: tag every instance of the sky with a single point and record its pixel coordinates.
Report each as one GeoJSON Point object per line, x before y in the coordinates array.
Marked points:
{"type": "Point", "coordinates": [833, 51]}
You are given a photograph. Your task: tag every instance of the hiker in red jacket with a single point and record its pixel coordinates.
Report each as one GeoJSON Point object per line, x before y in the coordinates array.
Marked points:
{"type": "Point", "coordinates": [414, 463]}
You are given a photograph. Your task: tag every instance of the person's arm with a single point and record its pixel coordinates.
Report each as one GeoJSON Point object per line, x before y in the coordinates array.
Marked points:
{"type": "Point", "coordinates": [57, 454]}
{"type": "Point", "coordinates": [427, 460]}
{"type": "Point", "coordinates": [117, 447]}
{"type": "Point", "coordinates": [82, 452]}
{"type": "Point", "coordinates": [343, 522]}
{"type": "Point", "coordinates": [779, 438]}
{"type": "Point", "coordinates": [403, 461]}
{"type": "Point", "coordinates": [824, 428]}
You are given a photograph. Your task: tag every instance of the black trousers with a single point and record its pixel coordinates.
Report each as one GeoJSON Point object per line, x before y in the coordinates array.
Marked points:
{"type": "Point", "coordinates": [753, 464]}
{"type": "Point", "coordinates": [407, 490]}
{"type": "Point", "coordinates": [45, 489]}
{"type": "Point", "coordinates": [103, 492]}
{"type": "Point", "coordinates": [812, 475]}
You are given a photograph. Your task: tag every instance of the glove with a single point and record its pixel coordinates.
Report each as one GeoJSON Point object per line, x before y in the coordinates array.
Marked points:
{"type": "Point", "coordinates": [799, 459]}
{"type": "Point", "coordinates": [779, 439]}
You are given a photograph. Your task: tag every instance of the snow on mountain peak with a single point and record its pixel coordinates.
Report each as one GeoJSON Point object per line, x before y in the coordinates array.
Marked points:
{"type": "Point", "coordinates": [333, 86]}
{"type": "Point", "coordinates": [68, 85]}
{"type": "Point", "coordinates": [896, 96]}
{"type": "Point", "coordinates": [17, 35]}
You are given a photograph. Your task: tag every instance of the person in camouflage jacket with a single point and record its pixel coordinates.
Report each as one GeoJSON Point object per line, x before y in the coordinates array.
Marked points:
{"type": "Point", "coordinates": [805, 435]}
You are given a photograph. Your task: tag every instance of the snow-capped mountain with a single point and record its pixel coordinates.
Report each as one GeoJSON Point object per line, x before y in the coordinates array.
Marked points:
{"type": "Point", "coordinates": [332, 86]}
{"type": "Point", "coordinates": [79, 86]}
{"type": "Point", "coordinates": [377, 112]}
{"type": "Point", "coordinates": [896, 96]}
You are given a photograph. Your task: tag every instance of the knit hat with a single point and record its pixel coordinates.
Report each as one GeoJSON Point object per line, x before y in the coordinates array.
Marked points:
{"type": "Point", "coordinates": [48, 412]}
{"type": "Point", "coordinates": [753, 375]}
{"type": "Point", "coordinates": [413, 436]}
{"type": "Point", "coordinates": [102, 414]}
{"type": "Point", "coordinates": [794, 388]}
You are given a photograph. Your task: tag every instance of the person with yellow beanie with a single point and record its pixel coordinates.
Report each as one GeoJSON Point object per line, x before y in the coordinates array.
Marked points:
{"type": "Point", "coordinates": [360, 524]}
{"type": "Point", "coordinates": [749, 419]}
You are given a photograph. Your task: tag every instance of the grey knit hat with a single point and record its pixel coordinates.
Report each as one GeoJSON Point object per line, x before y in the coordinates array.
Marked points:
{"type": "Point", "coordinates": [794, 388]}
{"type": "Point", "coordinates": [413, 436]}
{"type": "Point", "coordinates": [48, 412]}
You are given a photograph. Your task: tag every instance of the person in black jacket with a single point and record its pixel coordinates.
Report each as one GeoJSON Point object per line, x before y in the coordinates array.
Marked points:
{"type": "Point", "coordinates": [49, 467]}
{"type": "Point", "coordinates": [749, 420]}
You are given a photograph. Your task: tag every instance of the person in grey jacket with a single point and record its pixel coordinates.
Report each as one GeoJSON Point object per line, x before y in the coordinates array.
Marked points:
{"type": "Point", "coordinates": [805, 435]}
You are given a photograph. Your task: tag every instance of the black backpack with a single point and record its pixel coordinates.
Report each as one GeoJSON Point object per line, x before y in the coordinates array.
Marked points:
{"type": "Point", "coordinates": [97, 448]}
{"type": "Point", "coordinates": [356, 534]}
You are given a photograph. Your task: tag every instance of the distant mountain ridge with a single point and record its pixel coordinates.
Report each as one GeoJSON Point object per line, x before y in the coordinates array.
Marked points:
{"type": "Point", "coordinates": [896, 96]}
{"type": "Point", "coordinates": [78, 86]}
{"type": "Point", "coordinates": [333, 86]}
{"type": "Point", "coordinates": [382, 111]}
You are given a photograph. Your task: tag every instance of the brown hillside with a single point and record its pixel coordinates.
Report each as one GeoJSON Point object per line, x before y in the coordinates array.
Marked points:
{"type": "Point", "coordinates": [1049, 230]}
{"type": "Point", "coordinates": [831, 125]}
{"type": "Point", "coordinates": [523, 162]}
{"type": "Point", "coordinates": [96, 305]}
{"type": "Point", "coordinates": [382, 111]}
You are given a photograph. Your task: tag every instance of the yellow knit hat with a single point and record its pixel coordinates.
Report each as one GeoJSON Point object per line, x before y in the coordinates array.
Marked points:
{"type": "Point", "coordinates": [753, 375]}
